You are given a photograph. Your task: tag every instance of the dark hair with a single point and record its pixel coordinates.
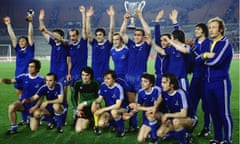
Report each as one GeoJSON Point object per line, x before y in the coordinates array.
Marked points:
{"type": "Point", "coordinates": [173, 80]}
{"type": "Point", "coordinates": [23, 37]}
{"type": "Point", "coordinates": [204, 28]}
{"type": "Point", "coordinates": [37, 64]}
{"type": "Point", "coordinates": [88, 70]}
{"type": "Point", "coordinates": [100, 30]}
{"type": "Point", "coordinates": [141, 30]}
{"type": "Point", "coordinates": [179, 35]}
{"type": "Point", "coordinates": [166, 34]}
{"type": "Point", "coordinates": [112, 73]}
{"type": "Point", "coordinates": [118, 34]}
{"type": "Point", "coordinates": [59, 31]}
{"type": "Point", "coordinates": [76, 30]}
{"type": "Point", "coordinates": [149, 77]}
{"type": "Point", "coordinates": [52, 74]}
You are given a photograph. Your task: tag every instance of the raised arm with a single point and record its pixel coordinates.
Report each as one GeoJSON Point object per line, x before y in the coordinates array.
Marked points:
{"type": "Point", "coordinates": [111, 14]}
{"type": "Point", "coordinates": [146, 27]}
{"type": "Point", "coordinates": [124, 27]}
{"type": "Point", "coordinates": [157, 31]}
{"type": "Point", "coordinates": [7, 81]}
{"type": "Point", "coordinates": [84, 31]}
{"type": "Point", "coordinates": [178, 46]}
{"type": "Point", "coordinates": [46, 33]}
{"type": "Point", "coordinates": [30, 30]}
{"type": "Point", "coordinates": [11, 33]}
{"type": "Point", "coordinates": [173, 16]}
{"type": "Point", "coordinates": [158, 48]}
{"type": "Point", "coordinates": [89, 13]}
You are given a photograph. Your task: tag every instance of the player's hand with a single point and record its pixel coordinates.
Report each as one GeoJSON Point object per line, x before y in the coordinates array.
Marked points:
{"type": "Point", "coordinates": [99, 111]}
{"type": "Point", "coordinates": [138, 13]}
{"type": "Point", "coordinates": [110, 11]}
{"type": "Point", "coordinates": [159, 16]}
{"type": "Point", "coordinates": [32, 109]}
{"type": "Point", "coordinates": [7, 20]}
{"type": "Point", "coordinates": [81, 106]}
{"type": "Point", "coordinates": [127, 16]}
{"type": "Point", "coordinates": [189, 42]}
{"type": "Point", "coordinates": [82, 9]}
{"type": "Point", "coordinates": [133, 106]}
{"type": "Point", "coordinates": [90, 11]}
{"type": "Point", "coordinates": [41, 14]}
{"type": "Point", "coordinates": [69, 78]}
{"type": "Point", "coordinates": [173, 16]}
{"type": "Point", "coordinates": [164, 118]}
{"type": "Point", "coordinates": [44, 105]}
{"type": "Point", "coordinates": [25, 101]}
{"type": "Point", "coordinates": [29, 18]}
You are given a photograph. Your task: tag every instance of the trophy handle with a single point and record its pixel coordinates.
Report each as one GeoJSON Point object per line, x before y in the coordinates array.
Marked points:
{"type": "Point", "coordinates": [126, 5]}
{"type": "Point", "coordinates": [141, 5]}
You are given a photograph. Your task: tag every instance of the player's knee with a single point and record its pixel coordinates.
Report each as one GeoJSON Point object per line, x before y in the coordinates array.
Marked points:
{"type": "Point", "coordinates": [160, 133]}
{"type": "Point", "coordinates": [176, 123]}
{"type": "Point", "coordinates": [140, 139]}
{"type": "Point", "coordinates": [78, 129]}
{"type": "Point", "coordinates": [114, 113]}
{"type": "Point", "coordinates": [37, 114]}
{"type": "Point", "coordinates": [101, 123]}
{"type": "Point", "coordinates": [11, 107]}
{"type": "Point", "coordinates": [57, 108]}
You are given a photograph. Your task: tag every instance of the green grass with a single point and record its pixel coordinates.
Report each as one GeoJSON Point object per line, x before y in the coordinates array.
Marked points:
{"type": "Point", "coordinates": [43, 136]}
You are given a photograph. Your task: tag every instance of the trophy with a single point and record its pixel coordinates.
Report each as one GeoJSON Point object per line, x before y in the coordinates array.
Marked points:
{"type": "Point", "coordinates": [30, 14]}
{"type": "Point", "coordinates": [131, 7]}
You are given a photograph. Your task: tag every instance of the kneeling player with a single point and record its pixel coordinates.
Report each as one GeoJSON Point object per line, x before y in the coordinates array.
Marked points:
{"type": "Point", "coordinates": [148, 100]}
{"type": "Point", "coordinates": [53, 106]}
{"type": "Point", "coordinates": [85, 91]}
{"type": "Point", "coordinates": [177, 119]}
{"type": "Point", "coordinates": [113, 96]}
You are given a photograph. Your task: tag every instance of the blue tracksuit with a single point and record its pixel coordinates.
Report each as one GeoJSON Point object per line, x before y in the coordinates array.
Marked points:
{"type": "Point", "coordinates": [218, 89]}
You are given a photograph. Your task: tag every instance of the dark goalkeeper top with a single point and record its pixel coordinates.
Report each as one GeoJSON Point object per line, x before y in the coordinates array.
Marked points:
{"type": "Point", "coordinates": [83, 92]}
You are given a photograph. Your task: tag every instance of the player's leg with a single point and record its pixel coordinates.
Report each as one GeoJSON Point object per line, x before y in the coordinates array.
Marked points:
{"type": "Point", "coordinates": [81, 124]}
{"type": "Point", "coordinates": [223, 105]}
{"type": "Point", "coordinates": [143, 133]}
{"type": "Point", "coordinates": [164, 129]}
{"type": "Point", "coordinates": [12, 108]}
{"type": "Point", "coordinates": [119, 122]}
{"type": "Point", "coordinates": [180, 131]}
{"type": "Point", "coordinates": [104, 119]}
{"type": "Point", "coordinates": [58, 112]}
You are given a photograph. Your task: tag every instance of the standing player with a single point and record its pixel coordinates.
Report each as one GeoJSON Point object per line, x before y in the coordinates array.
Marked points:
{"type": "Point", "coordinates": [162, 61]}
{"type": "Point", "coordinates": [53, 106]}
{"type": "Point", "coordinates": [119, 54]}
{"type": "Point", "coordinates": [100, 46]}
{"type": "Point", "coordinates": [149, 97]}
{"type": "Point", "coordinates": [85, 91]}
{"type": "Point", "coordinates": [177, 118]}
{"type": "Point", "coordinates": [197, 85]}
{"type": "Point", "coordinates": [113, 96]}
{"type": "Point", "coordinates": [78, 52]}
{"type": "Point", "coordinates": [139, 50]}
{"type": "Point", "coordinates": [218, 85]}
{"type": "Point", "coordinates": [24, 48]}
{"type": "Point", "coordinates": [31, 82]}
{"type": "Point", "coordinates": [59, 55]}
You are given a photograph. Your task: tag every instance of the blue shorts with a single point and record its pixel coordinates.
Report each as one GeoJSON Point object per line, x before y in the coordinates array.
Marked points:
{"type": "Point", "coordinates": [133, 83]}
{"type": "Point", "coordinates": [63, 81]}
{"type": "Point", "coordinates": [50, 109]}
{"type": "Point", "coordinates": [74, 79]}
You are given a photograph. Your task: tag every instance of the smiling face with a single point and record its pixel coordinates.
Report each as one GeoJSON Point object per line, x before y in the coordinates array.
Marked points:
{"type": "Point", "coordinates": [23, 43]}
{"type": "Point", "coordinates": [138, 36]}
{"type": "Point", "coordinates": [117, 42]}
{"type": "Point", "coordinates": [73, 36]}
{"type": "Point", "coordinates": [198, 32]}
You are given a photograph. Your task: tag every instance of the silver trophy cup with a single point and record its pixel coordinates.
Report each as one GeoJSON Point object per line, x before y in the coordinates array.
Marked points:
{"type": "Point", "coordinates": [131, 8]}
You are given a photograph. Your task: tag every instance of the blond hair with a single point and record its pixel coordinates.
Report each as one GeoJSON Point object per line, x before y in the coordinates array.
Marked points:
{"type": "Point", "coordinates": [221, 24]}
